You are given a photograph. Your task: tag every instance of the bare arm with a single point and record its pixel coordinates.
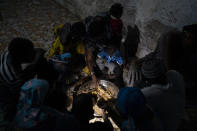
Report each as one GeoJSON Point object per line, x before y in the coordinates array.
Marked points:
{"type": "Point", "coordinates": [91, 63]}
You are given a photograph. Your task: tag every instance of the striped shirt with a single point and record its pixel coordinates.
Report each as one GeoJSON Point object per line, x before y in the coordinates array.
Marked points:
{"type": "Point", "coordinates": [8, 76]}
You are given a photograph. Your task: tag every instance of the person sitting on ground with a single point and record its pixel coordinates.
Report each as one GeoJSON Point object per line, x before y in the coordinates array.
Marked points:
{"type": "Point", "coordinates": [69, 38]}
{"type": "Point", "coordinates": [12, 76]}
{"type": "Point", "coordinates": [34, 115]}
{"type": "Point", "coordinates": [69, 41]}
{"type": "Point", "coordinates": [164, 93]}
{"type": "Point", "coordinates": [70, 69]}
{"type": "Point", "coordinates": [169, 49]}
{"type": "Point", "coordinates": [135, 114]}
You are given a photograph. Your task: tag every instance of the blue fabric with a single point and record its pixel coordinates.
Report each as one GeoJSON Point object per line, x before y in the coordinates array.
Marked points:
{"type": "Point", "coordinates": [31, 98]}
{"type": "Point", "coordinates": [128, 125]}
{"type": "Point", "coordinates": [116, 57]}
{"type": "Point", "coordinates": [61, 62]}
{"type": "Point", "coordinates": [65, 56]}
{"type": "Point", "coordinates": [131, 102]}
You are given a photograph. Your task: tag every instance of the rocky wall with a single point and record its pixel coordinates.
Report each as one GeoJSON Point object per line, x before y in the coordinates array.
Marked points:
{"type": "Point", "coordinates": [153, 17]}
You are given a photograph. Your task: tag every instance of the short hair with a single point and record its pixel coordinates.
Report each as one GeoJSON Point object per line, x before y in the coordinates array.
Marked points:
{"type": "Point", "coordinates": [116, 10]}
{"type": "Point", "coordinates": [21, 49]}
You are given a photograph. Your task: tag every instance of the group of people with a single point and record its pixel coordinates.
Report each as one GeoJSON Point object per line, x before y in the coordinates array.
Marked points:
{"type": "Point", "coordinates": [151, 93]}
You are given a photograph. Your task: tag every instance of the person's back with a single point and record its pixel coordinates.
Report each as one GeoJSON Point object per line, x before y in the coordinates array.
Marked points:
{"type": "Point", "coordinates": [165, 95]}
{"type": "Point", "coordinates": [69, 38]}
{"type": "Point", "coordinates": [131, 104]}
{"type": "Point", "coordinates": [33, 114]}
{"type": "Point", "coordinates": [19, 51]}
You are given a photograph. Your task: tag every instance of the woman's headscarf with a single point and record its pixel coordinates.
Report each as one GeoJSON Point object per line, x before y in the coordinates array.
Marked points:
{"type": "Point", "coordinates": [131, 102]}
{"type": "Point", "coordinates": [32, 96]}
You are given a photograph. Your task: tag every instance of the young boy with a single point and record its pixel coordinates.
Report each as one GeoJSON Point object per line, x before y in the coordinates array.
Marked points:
{"type": "Point", "coordinates": [20, 51]}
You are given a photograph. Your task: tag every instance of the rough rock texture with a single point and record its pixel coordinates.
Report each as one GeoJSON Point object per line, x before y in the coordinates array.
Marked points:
{"type": "Point", "coordinates": [32, 19]}
{"type": "Point", "coordinates": [153, 17]}
{"type": "Point", "coordinates": [35, 19]}
{"type": "Point", "coordinates": [84, 8]}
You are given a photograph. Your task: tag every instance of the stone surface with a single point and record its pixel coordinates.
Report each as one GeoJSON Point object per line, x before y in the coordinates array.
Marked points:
{"type": "Point", "coordinates": [32, 19]}
{"type": "Point", "coordinates": [153, 17]}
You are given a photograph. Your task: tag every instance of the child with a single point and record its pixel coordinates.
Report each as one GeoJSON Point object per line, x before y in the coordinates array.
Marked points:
{"type": "Point", "coordinates": [20, 51]}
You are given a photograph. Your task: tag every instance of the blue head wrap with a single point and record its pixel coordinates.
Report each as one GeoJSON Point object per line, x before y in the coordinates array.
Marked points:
{"type": "Point", "coordinates": [32, 96]}
{"type": "Point", "coordinates": [131, 101]}
{"type": "Point", "coordinates": [116, 57]}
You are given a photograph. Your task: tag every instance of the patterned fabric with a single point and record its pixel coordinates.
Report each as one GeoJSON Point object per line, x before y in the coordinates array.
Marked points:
{"type": "Point", "coordinates": [10, 83]}
{"type": "Point", "coordinates": [31, 99]}
{"type": "Point", "coordinates": [116, 57]}
{"type": "Point", "coordinates": [8, 76]}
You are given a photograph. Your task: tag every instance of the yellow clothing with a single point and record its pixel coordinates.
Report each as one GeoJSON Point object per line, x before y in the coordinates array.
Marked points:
{"type": "Point", "coordinates": [79, 48]}
{"type": "Point", "coordinates": [57, 46]}
{"type": "Point", "coordinates": [86, 70]}
{"type": "Point", "coordinates": [70, 47]}
{"type": "Point", "coordinates": [57, 27]}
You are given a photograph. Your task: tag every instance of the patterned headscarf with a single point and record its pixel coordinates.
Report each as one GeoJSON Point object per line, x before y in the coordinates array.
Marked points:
{"type": "Point", "coordinates": [116, 57]}
{"type": "Point", "coordinates": [32, 96]}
